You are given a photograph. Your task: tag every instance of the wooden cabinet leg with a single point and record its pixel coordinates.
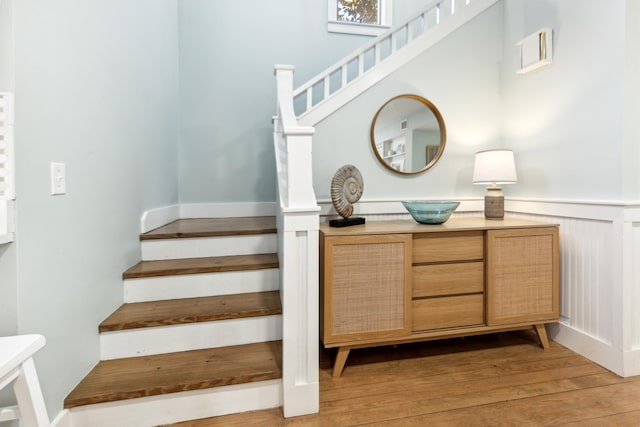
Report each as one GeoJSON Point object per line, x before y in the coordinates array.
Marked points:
{"type": "Point", "coordinates": [341, 359]}
{"type": "Point", "coordinates": [542, 335]}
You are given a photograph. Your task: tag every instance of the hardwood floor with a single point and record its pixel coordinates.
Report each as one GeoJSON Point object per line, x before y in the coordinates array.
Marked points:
{"type": "Point", "coordinates": [502, 379]}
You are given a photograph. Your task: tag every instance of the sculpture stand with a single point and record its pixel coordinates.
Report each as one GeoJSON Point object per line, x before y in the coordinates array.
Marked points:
{"type": "Point", "coordinates": [346, 222]}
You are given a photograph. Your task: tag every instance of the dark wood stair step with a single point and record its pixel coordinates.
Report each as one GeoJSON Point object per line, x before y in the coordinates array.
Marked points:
{"type": "Point", "coordinates": [191, 310]}
{"type": "Point", "coordinates": [172, 267]}
{"type": "Point", "coordinates": [134, 377]}
{"type": "Point", "coordinates": [213, 227]}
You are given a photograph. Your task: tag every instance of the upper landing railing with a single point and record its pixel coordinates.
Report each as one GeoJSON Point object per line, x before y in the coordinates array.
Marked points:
{"type": "Point", "coordinates": [369, 64]}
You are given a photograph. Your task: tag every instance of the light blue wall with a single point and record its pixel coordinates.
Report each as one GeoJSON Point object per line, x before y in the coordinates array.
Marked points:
{"type": "Point", "coordinates": [227, 54]}
{"type": "Point", "coordinates": [573, 125]}
{"type": "Point", "coordinates": [461, 77]}
{"type": "Point", "coordinates": [96, 88]}
{"type": "Point", "coordinates": [566, 122]}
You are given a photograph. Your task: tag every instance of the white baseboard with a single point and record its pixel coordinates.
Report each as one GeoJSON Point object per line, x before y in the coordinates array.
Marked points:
{"type": "Point", "coordinates": [63, 419]}
{"type": "Point", "coordinates": [201, 285]}
{"type": "Point", "coordinates": [158, 217]}
{"type": "Point", "coordinates": [194, 336]}
{"type": "Point", "coordinates": [302, 399]}
{"type": "Point", "coordinates": [227, 210]}
{"type": "Point", "coordinates": [182, 406]}
{"type": "Point", "coordinates": [158, 249]}
{"type": "Point", "coordinates": [590, 347]}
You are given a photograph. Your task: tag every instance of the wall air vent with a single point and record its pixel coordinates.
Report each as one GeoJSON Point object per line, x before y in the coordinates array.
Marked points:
{"type": "Point", "coordinates": [535, 51]}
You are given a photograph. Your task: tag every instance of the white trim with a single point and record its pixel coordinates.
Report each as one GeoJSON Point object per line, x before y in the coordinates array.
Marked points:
{"type": "Point", "coordinates": [158, 217]}
{"type": "Point", "coordinates": [63, 419]}
{"type": "Point", "coordinates": [335, 26]}
{"type": "Point", "coordinates": [201, 285]}
{"type": "Point", "coordinates": [182, 406]}
{"type": "Point", "coordinates": [356, 28]}
{"type": "Point", "coordinates": [329, 105]}
{"type": "Point", "coordinates": [590, 347]}
{"type": "Point", "coordinates": [586, 209]}
{"type": "Point", "coordinates": [227, 210]}
{"type": "Point", "coordinates": [193, 336]}
{"type": "Point", "coordinates": [299, 248]}
{"type": "Point", "coordinates": [199, 247]}
{"type": "Point", "coordinates": [393, 206]}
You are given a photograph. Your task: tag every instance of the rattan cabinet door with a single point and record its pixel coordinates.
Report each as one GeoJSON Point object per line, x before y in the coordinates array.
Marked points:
{"type": "Point", "coordinates": [366, 287]}
{"type": "Point", "coordinates": [522, 275]}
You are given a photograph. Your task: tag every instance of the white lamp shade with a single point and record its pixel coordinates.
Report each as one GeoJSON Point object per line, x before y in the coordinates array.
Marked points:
{"type": "Point", "coordinates": [494, 166]}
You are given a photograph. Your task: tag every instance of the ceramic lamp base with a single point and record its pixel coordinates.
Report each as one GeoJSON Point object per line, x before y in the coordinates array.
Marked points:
{"type": "Point", "coordinates": [494, 203]}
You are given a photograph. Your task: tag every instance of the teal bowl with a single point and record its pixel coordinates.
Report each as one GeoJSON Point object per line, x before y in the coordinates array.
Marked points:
{"type": "Point", "coordinates": [430, 212]}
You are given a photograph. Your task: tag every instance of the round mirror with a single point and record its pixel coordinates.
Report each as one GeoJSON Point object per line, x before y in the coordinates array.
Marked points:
{"type": "Point", "coordinates": [408, 134]}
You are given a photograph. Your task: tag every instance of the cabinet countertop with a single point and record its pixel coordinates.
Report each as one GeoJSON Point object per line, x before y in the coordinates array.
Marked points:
{"type": "Point", "coordinates": [411, 226]}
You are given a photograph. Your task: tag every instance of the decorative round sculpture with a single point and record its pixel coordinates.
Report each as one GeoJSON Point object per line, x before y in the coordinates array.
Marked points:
{"type": "Point", "coordinates": [346, 189]}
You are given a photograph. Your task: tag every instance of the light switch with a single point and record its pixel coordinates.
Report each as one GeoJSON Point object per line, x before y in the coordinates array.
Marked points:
{"type": "Point", "coordinates": [58, 179]}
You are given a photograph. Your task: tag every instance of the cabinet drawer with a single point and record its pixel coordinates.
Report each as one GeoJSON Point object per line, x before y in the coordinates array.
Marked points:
{"type": "Point", "coordinates": [455, 246]}
{"type": "Point", "coordinates": [448, 279]}
{"type": "Point", "coordinates": [447, 312]}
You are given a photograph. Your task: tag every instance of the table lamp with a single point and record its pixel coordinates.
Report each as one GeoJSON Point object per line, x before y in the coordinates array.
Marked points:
{"type": "Point", "coordinates": [494, 167]}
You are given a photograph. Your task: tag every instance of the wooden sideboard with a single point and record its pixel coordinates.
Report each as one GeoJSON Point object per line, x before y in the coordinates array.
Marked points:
{"type": "Point", "coordinates": [393, 282]}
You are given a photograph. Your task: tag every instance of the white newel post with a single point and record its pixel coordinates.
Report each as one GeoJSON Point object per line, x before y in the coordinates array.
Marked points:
{"type": "Point", "coordinates": [298, 224]}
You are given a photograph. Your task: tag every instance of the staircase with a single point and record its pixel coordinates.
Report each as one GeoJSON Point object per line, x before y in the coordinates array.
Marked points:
{"type": "Point", "coordinates": [199, 334]}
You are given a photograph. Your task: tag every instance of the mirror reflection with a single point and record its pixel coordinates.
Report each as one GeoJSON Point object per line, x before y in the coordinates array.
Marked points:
{"type": "Point", "coordinates": [408, 134]}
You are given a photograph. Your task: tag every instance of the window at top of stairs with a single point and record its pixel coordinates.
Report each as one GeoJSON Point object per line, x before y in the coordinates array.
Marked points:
{"type": "Point", "coordinates": [364, 17]}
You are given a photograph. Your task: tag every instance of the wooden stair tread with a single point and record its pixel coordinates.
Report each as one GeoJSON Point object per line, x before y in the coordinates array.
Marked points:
{"type": "Point", "coordinates": [213, 227]}
{"type": "Point", "coordinates": [190, 310]}
{"type": "Point", "coordinates": [135, 377]}
{"type": "Point", "coordinates": [172, 267]}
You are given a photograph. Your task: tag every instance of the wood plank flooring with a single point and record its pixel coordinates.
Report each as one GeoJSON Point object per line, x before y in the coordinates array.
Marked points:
{"type": "Point", "coordinates": [134, 377]}
{"type": "Point", "coordinates": [190, 310]}
{"type": "Point", "coordinates": [501, 379]}
{"type": "Point", "coordinates": [212, 227]}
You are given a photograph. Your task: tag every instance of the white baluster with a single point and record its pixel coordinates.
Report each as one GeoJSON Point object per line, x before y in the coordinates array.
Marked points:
{"type": "Point", "coordinates": [345, 71]}
{"type": "Point", "coordinates": [309, 98]}
{"type": "Point", "coordinates": [327, 89]}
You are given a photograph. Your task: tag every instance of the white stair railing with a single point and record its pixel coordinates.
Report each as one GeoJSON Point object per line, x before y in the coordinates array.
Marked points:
{"type": "Point", "coordinates": [298, 212]}
{"type": "Point", "coordinates": [368, 65]}
{"type": "Point", "coordinates": [298, 219]}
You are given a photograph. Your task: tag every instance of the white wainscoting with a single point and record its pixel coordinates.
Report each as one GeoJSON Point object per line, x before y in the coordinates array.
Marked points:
{"type": "Point", "coordinates": [600, 274]}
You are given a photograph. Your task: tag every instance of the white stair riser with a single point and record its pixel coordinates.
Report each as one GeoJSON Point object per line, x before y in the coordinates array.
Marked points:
{"type": "Point", "coordinates": [208, 246]}
{"type": "Point", "coordinates": [201, 285]}
{"type": "Point", "coordinates": [182, 406]}
{"type": "Point", "coordinates": [192, 336]}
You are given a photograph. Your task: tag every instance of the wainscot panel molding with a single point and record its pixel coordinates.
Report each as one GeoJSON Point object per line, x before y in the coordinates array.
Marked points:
{"type": "Point", "coordinates": [383, 210]}
{"type": "Point", "coordinates": [599, 280]}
